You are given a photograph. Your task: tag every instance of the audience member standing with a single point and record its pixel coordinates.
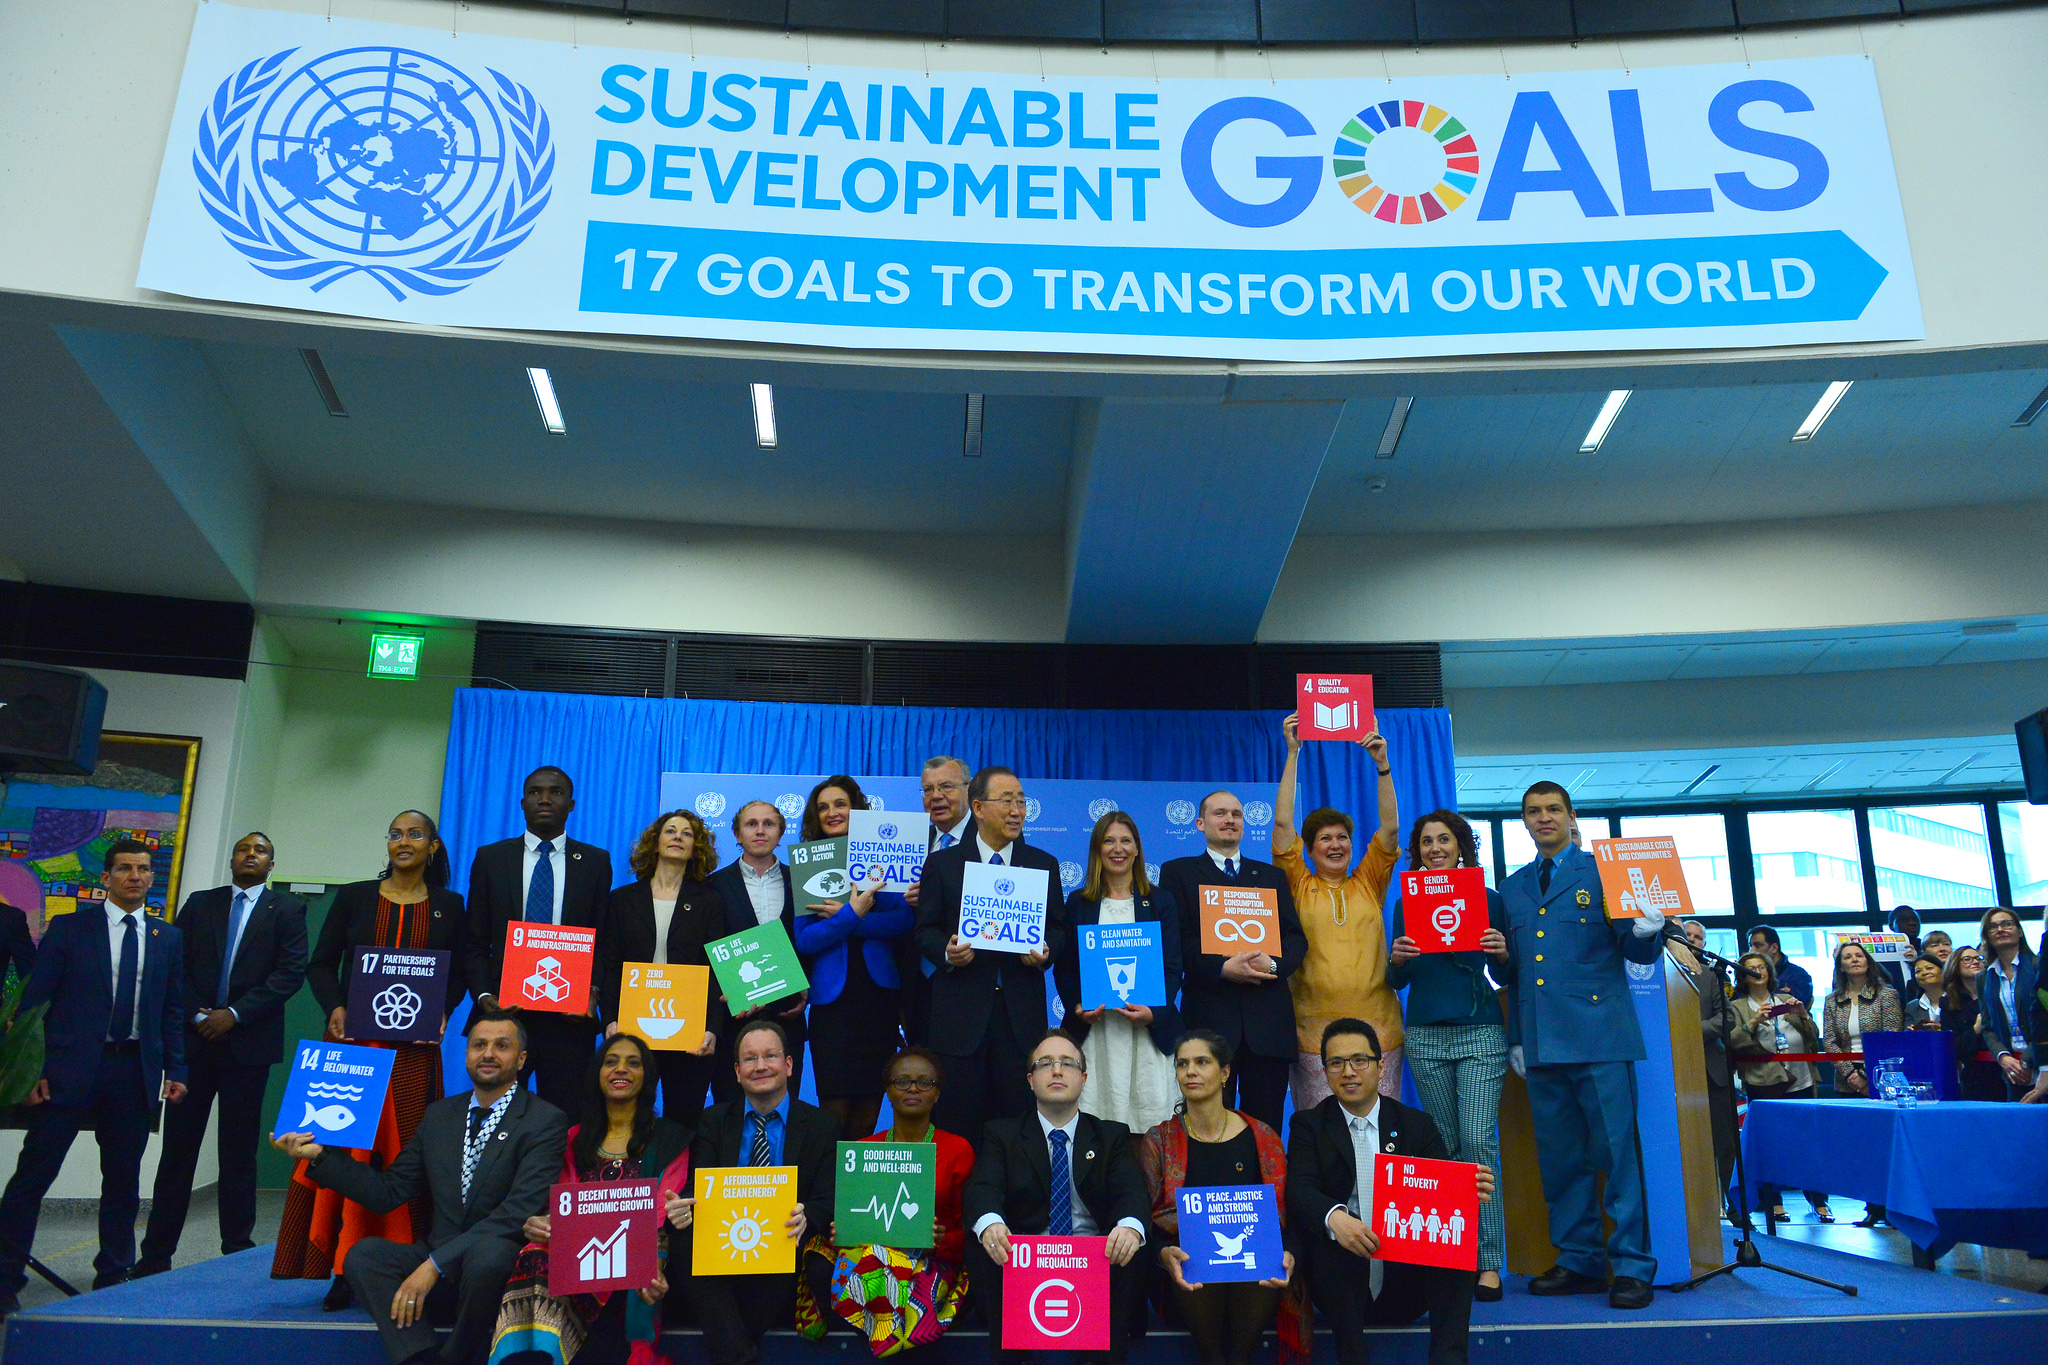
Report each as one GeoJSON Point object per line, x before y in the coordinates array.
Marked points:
{"type": "Point", "coordinates": [849, 953]}
{"type": "Point", "coordinates": [1962, 1013]}
{"type": "Point", "coordinates": [993, 1004]}
{"type": "Point", "coordinates": [2011, 975]}
{"type": "Point", "coordinates": [1457, 1041]}
{"type": "Point", "coordinates": [1790, 976]}
{"type": "Point", "coordinates": [1574, 1036]}
{"type": "Point", "coordinates": [1344, 975]}
{"type": "Point", "coordinates": [1859, 1001]}
{"type": "Point", "coordinates": [543, 877]}
{"type": "Point", "coordinates": [756, 888]}
{"type": "Point", "coordinates": [945, 806]}
{"type": "Point", "coordinates": [1767, 1023]}
{"type": "Point", "coordinates": [411, 907]}
{"type": "Point", "coordinates": [112, 977]}
{"type": "Point", "coordinates": [1923, 1010]}
{"type": "Point", "coordinates": [666, 915]}
{"type": "Point", "coordinates": [1241, 996]}
{"type": "Point", "coordinates": [1129, 1049]}
{"type": "Point", "coordinates": [245, 955]}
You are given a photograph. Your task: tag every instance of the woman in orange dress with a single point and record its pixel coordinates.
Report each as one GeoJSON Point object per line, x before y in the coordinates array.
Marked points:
{"type": "Point", "coordinates": [410, 906]}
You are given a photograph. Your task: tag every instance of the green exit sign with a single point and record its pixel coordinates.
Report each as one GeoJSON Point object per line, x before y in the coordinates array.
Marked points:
{"type": "Point", "coordinates": [395, 656]}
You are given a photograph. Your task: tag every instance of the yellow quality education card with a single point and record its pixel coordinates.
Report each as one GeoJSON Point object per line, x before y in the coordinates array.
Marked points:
{"type": "Point", "coordinates": [739, 1221]}
{"type": "Point", "coordinates": [664, 1004]}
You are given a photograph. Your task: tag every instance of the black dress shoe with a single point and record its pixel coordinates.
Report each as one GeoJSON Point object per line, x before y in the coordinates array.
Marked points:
{"type": "Point", "coordinates": [339, 1296]}
{"type": "Point", "coordinates": [230, 1248]}
{"type": "Point", "coordinates": [1630, 1293]}
{"type": "Point", "coordinates": [109, 1278]}
{"type": "Point", "coordinates": [9, 1306]}
{"type": "Point", "coordinates": [145, 1268]}
{"type": "Point", "coordinates": [1482, 1293]}
{"type": "Point", "coordinates": [1558, 1280]}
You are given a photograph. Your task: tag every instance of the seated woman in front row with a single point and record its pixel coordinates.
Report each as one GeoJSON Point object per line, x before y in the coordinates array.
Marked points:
{"type": "Point", "coordinates": [617, 1138]}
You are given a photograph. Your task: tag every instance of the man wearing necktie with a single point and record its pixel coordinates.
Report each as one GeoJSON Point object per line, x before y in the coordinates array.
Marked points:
{"type": "Point", "coordinates": [1056, 1171]}
{"type": "Point", "coordinates": [245, 955]}
{"type": "Point", "coordinates": [1573, 1035]}
{"type": "Point", "coordinates": [944, 789]}
{"type": "Point", "coordinates": [764, 1126]}
{"type": "Point", "coordinates": [542, 877]}
{"type": "Point", "coordinates": [114, 1042]}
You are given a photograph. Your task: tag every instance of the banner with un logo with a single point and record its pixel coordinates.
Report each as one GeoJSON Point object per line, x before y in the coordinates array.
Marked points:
{"type": "Point", "coordinates": [382, 170]}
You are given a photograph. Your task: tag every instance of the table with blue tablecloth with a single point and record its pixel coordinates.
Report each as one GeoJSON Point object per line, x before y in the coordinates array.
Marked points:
{"type": "Point", "coordinates": [1952, 1172]}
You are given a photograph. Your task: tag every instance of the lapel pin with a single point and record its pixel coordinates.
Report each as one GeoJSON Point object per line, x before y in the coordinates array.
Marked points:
{"type": "Point", "coordinates": [1585, 896]}
{"type": "Point", "coordinates": [577, 856]}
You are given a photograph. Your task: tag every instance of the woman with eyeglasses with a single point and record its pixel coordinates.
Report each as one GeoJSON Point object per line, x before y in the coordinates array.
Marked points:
{"type": "Point", "coordinates": [1207, 1144]}
{"type": "Point", "coordinates": [1128, 1048]}
{"type": "Point", "coordinates": [1961, 1009]}
{"type": "Point", "coordinates": [1767, 1022]}
{"type": "Point", "coordinates": [903, 1298]}
{"type": "Point", "coordinates": [408, 906]}
{"type": "Point", "coordinates": [2011, 975]}
{"type": "Point", "coordinates": [849, 951]}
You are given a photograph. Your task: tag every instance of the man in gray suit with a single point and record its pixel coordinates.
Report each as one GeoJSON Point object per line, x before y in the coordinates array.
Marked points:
{"type": "Point", "coordinates": [487, 1158]}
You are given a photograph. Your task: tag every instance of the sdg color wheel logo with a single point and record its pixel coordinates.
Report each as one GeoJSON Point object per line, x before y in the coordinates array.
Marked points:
{"type": "Point", "coordinates": [1405, 161]}
{"type": "Point", "coordinates": [380, 161]}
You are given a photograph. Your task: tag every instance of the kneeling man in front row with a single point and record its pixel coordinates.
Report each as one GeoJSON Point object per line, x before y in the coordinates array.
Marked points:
{"type": "Point", "coordinates": [1056, 1172]}
{"type": "Point", "coordinates": [1330, 1151]}
{"type": "Point", "coordinates": [487, 1159]}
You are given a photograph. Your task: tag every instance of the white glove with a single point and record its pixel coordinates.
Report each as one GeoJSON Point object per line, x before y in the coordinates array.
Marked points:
{"type": "Point", "coordinates": [1515, 1062]}
{"type": "Point", "coordinates": [1650, 925]}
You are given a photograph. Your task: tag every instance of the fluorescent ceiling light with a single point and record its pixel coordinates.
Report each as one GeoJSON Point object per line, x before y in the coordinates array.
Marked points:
{"type": "Point", "coordinates": [764, 415]}
{"type": "Point", "coordinates": [544, 397]}
{"type": "Point", "coordinates": [2032, 410]}
{"type": "Point", "coordinates": [1821, 410]}
{"type": "Point", "coordinates": [1609, 410]}
{"type": "Point", "coordinates": [1396, 421]}
{"type": "Point", "coordinates": [970, 444]}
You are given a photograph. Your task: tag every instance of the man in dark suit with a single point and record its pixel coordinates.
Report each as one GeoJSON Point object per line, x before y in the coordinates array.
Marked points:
{"type": "Point", "coordinates": [993, 1003]}
{"type": "Point", "coordinates": [1243, 996]}
{"type": "Point", "coordinates": [944, 787]}
{"type": "Point", "coordinates": [1051, 1172]}
{"type": "Point", "coordinates": [756, 889]}
{"type": "Point", "coordinates": [1329, 1197]}
{"type": "Point", "coordinates": [544, 877]}
{"type": "Point", "coordinates": [245, 955]}
{"type": "Point", "coordinates": [113, 1041]}
{"type": "Point", "coordinates": [487, 1159]}
{"type": "Point", "coordinates": [766, 1126]}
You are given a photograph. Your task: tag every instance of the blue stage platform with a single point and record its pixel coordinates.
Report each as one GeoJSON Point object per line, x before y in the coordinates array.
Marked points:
{"type": "Point", "coordinates": [230, 1310]}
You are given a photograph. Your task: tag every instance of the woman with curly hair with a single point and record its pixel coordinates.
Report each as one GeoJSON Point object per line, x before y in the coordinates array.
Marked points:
{"type": "Point", "coordinates": [666, 915]}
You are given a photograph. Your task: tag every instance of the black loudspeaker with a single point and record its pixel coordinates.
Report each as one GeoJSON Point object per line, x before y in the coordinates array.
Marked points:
{"type": "Point", "coordinates": [49, 719]}
{"type": "Point", "coordinates": [2032, 734]}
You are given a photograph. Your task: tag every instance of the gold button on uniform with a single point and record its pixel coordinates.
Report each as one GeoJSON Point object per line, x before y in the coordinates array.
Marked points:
{"type": "Point", "coordinates": [1539, 958]}
{"type": "Point", "coordinates": [1539, 980]}
{"type": "Point", "coordinates": [1539, 933]}
{"type": "Point", "coordinates": [1542, 912]}
{"type": "Point", "coordinates": [1596, 999]}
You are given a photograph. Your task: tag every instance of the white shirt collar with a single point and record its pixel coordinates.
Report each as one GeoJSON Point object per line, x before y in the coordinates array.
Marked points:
{"type": "Point", "coordinates": [1371, 1121]}
{"type": "Point", "coordinates": [1218, 858]}
{"type": "Point", "coordinates": [958, 829]}
{"type": "Point", "coordinates": [115, 912]}
{"type": "Point", "coordinates": [987, 853]}
{"type": "Point", "coordinates": [1070, 1127]}
{"type": "Point", "coordinates": [774, 872]}
{"type": "Point", "coordinates": [560, 841]}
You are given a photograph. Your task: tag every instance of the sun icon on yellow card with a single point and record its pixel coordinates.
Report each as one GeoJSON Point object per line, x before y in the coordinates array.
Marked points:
{"type": "Point", "coordinates": [744, 1233]}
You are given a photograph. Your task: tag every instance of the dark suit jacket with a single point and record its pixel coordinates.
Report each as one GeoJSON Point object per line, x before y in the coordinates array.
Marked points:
{"type": "Point", "coordinates": [75, 973]}
{"type": "Point", "coordinates": [731, 885]}
{"type": "Point", "coordinates": [964, 997]}
{"type": "Point", "coordinates": [810, 1141]}
{"type": "Point", "coordinates": [1156, 907]}
{"type": "Point", "coordinates": [1256, 1019]}
{"type": "Point", "coordinates": [1322, 1169]}
{"type": "Point", "coordinates": [628, 936]}
{"type": "Point", "coordinates": [1013, 1175]}
{"type": "Point", "coordinates": [270, 966]}
{"type": "Point", "coordinates": [17, 945]}
{"type": "Point", "coordinates": [352, 922]}
{"type": "Point", "coordinates": [510, 1183]}
{"type": "Point", "coordinates": [497, 896]}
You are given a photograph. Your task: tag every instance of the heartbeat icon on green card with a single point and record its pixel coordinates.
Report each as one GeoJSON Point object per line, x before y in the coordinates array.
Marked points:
{"type": "Point", "coordinates": [885, 1193]}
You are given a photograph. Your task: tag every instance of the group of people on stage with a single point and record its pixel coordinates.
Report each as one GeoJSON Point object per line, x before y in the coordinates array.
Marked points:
{"type": "Point", "coordinates": [1088, 1128]}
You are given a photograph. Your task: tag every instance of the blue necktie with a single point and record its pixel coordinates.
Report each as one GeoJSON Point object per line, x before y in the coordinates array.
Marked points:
{"type": "Point", "coordinates": [1230, 868]}
{"type": "Point", "coordinates": [121, 1023]}
{"type": "Point", "coordinates": [1062, 1224]}
{"type": "Point", "coordinates": [540, 892]}
{"type": "Point", "coordinates": [995, 859]}
{"type": "Point", "coordinates": [238, 914]}
{"type": "Point", "coordinates": [945, 839]}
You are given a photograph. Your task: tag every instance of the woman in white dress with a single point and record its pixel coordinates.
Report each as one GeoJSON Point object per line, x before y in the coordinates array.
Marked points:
{"type": "Point", "coordinates": [1129, 1048]}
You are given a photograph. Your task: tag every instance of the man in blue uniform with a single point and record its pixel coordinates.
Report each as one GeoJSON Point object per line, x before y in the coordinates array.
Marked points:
{"type": "Point", "coordinates": [1573, 1035]}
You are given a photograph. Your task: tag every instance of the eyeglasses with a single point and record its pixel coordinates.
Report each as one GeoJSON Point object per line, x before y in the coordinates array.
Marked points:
{"type": "Point", "coordinates": [770, 1057]}
{"type": "Point", "coordinates": [1351, 1064]}
{"type": "Point", "coordinates": [914, 1084]}
{"type": "Point", "coordinates": [1016, 800]}
{"type": "Point", "coordinates": [947, 787]}
{"type": "Point", "coordinates": [1059, 1064]}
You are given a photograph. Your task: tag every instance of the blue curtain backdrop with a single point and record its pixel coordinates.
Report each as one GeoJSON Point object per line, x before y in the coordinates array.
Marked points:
{"type": "Point", "coordinates": [616, 748]}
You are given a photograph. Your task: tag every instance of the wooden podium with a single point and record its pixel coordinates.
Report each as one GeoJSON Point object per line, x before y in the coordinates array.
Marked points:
{"type": "Point", "coordinates": [1685, 1236]}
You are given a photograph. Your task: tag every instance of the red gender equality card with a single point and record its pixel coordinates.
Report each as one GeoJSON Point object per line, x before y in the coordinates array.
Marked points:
{"type": "Point", "coordinates": [1444, 912]}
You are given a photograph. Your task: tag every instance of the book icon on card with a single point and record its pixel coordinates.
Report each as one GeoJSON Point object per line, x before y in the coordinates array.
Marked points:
{"type": "Point", "coordinates": [1342, 716]}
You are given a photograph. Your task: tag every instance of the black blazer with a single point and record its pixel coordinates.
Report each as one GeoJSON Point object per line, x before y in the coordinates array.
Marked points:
{"type": "Point", "coordinates": [352, 922]}
{"type": "Point", "coordinates": [17, 945]}
{"type": "Point", "coordinates": [1154, 908]}
{"type": "Point", "coordinates": [731, 885]}
{"type": "Point", "coordinates": [1322, 1171]}
{"type": "Point", "coordinates": [1013, 1175]}
{"type": "Point", "coordinates": [497, 896]}
{"type": "Point", "coordinates": [74, 976]}
{"type": "Point", "coordinates": [964, 997]}
{"type": "Point", "coordinates": [810, 1140]}
{"type": "Point", "coordinates": [1255, 1019]}
{"type": "Point", "coordinates": [510, 1183]}
{"type": "Point", "coordinates": [270, 966]}
{"type": "Point", "coordinates": [628, 936]}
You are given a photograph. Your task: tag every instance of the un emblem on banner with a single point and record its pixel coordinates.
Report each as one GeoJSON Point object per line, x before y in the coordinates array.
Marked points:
{"type": "Point", "coordinates": [1643, 971]}
{"type": "Point", "coordinates": [790, 804]}
{"type": "Point", "coordinates": [381, 161]}
{"type": "Point", "coordinates": [710, 805]}
{"type": "Point", "coordinates": [1258, 814]}
{"type": "Point", "coordinates": [1070, 874]}
{"type": "Point", "coordinates": [1180, 812]}
{"type": "Point", "coordinates": [1100, 807]}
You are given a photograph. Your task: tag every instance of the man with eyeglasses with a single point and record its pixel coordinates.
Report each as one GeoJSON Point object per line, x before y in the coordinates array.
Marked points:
{"type": "Point", "coordinates": [765, 1126]}
{"type": "Point", "coordinates": [945, 805]}
{"type": "Point", "coordinates": [1573, 1035]}
{"type": "Point", "coordinates": [1244, 996]}
{"type": "Point", "coordinates": [1056, 1172]}
{"type": "Point", "coordinates": [1330, 1151]}
{"type": "Point", "coordinates": [987, 1006]}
